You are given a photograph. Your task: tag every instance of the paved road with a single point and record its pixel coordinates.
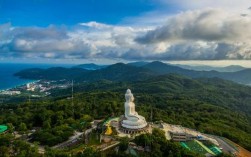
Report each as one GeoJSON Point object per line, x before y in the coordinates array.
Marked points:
{"type": "Point", "coordinates": [104, 147]}
{"type": "Point", "coordinates": [87, 133]}
{"type": "Point", "coordinates": [75, 137]}
{"type": "Point", "coordinates": [71, 140]}
{"type": "Point", "coordinates": [224, 145]}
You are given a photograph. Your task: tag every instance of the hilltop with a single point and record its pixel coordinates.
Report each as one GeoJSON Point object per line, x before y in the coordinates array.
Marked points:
{"type": "Point", "coordinates": [209, 105]}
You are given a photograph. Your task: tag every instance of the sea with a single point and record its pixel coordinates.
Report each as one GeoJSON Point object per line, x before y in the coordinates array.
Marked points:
{"type": "Point", "coordinates": [7, 71]}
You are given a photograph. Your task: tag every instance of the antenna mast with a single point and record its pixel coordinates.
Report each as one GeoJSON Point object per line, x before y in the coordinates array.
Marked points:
{"type": "Point", "coordinates": [29, 98]}
{"type": "Point", "coordinates": [72, 104]}
{"type": "Point", "coordinates": [151, 113]}
{"type": "Point", "coordinates": [72, 92]}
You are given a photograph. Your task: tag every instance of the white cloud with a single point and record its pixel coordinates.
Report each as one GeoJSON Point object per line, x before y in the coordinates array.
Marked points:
{"type": "Point", "coordinates": [225, 35]}
{"type": "Point", "coordinates": [207, 34]}
{"type": "Point", "coordinates": [94, 24]}
{"type": "Point", "coordinates": [209, 25]}
{"type": "Point", "coordinates": [86, 40]}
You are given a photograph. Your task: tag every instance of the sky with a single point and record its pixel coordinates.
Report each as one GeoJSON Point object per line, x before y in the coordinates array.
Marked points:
{"type": "Point", "coordinates": [108, 31]}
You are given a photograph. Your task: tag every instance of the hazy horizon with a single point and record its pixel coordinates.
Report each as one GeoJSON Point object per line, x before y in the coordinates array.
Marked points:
{"type": "Point", "coordinates": [214, 63]}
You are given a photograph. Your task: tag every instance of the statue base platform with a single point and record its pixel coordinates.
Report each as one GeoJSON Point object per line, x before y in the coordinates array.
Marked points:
{"type": "Point", "coordinates": [132, 130]}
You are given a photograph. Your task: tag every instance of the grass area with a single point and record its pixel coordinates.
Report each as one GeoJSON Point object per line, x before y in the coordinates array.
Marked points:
{"type": "Point", "coordinates": [94, 139]}
{"type": "Point", "coordinates": [78, 148]}
{"type": "Point", "coordinates": [194, 146]}
{"type": "Point", "coordinates": [208, 144]}
{"type": "Point", "coordinates": [203, 146]}
{"type": "Point", "coordinates": [184, 145]}
{"type": "Point", "coordinates": [108, 121]}
{"type": "Point", "coordinates": [216, 150]}
{"type": "Point", "coordinates": [212, 147]}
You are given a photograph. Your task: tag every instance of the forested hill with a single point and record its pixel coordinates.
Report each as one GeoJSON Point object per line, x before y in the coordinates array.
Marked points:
{"type": "Point", "coordinates": [130, 72]}
{"type": "Point", "coordinates": [55, 73]}
{"type": "Point", "coordinates": [242, 76]}
{"type": "Point", "coordinates": [90, 66]}
{"type": "Point", "coordinates": [215, 91]}
{"type": "Point", "coordinates": [230, 68]}
{"type": "Point", "coordinates": [210, 105]}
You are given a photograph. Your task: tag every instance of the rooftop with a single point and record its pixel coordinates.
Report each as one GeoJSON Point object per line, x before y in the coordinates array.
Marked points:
{"type": "Point", "coordinates": [3, 128]}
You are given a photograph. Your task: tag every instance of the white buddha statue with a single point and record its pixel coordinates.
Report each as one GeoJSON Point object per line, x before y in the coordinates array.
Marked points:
{"type": "Point", "coordinates": [133, 120]}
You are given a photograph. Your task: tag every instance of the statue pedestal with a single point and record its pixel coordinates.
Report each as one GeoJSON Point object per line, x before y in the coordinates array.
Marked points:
{"type": "Point", "coordinates": [136, 122]}
{"type": "Point", "coordinates": [132, 129]}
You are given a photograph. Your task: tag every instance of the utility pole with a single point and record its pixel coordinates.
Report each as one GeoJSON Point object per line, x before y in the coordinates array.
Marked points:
{"type": "Point", "coordinates": [72, 104]}
{"type": "Point", "coordinates": [151, 113]}
{"type": "Point", "coordinates": [72, 92]}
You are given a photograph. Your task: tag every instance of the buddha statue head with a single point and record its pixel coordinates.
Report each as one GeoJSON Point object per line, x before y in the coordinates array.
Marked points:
{"type": "Point", "coordinates": [129, 96]}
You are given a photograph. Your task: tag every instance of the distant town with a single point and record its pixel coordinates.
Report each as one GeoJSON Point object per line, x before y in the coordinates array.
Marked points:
{"type": "Point", "coordinates": [40, 88]}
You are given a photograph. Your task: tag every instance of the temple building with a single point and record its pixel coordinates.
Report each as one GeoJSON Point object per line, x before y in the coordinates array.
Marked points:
{"type": "Point", "coordinates": [131, 122]}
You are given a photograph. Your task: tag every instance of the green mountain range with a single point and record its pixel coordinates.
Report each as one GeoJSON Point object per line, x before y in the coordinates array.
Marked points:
{"type": "Point", "coordinates": [130, 72]}
{"type": "Point", "coordinates": [231, 68]}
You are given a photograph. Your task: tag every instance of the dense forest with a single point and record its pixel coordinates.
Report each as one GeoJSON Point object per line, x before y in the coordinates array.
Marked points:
{"type": "Point", "coordinates": [209, 105]}
{"type": "Point", "coordinates": [213, 106]}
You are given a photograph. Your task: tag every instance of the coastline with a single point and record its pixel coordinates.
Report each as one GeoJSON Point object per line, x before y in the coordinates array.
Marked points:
{"type": "Point", "coordinates": [7, 70]}
{"type": "Point", "coordinates": [18, 85]}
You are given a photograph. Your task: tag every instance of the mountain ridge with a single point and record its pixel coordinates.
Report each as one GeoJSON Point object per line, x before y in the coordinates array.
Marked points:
{"type": "Point", "coordinates": [90, 66]}
{"type": "Point", "coordinates": [129, 72]}
{"type": "Point", "coordinates": [230, 68]}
